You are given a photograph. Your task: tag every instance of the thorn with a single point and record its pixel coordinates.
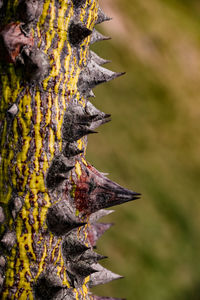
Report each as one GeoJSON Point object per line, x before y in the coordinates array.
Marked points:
{"type": "Point", "coordinates": [99, 122]}
{"type": "Point", "coordinates": [91, 257]}
{"type": "Point", "coordinates": [72, 247]}
{"type": "Point", "coordinates": [87, 131]}
{"type": "Point", "coordinates": [97, 37]}
{"type": "Point", "coordinates": [71, 150]}
{"type": "Point", "coordinates": [102, 276]}
{"type": "Point", "coordinates": [15, 206]}
{"type": "Point", "coordinates": [90, 94]}
{"type": "Point", "coordinates": [82, 269]}
{"type": "Point", "coordinates": [92, 110]}
{"type": "Point", "coordinates": [94, 75]}
{"type": "Point", "coordinates": [95, 191]}
{"type": "Point", "coordinates": [96, 230]}
{"type": "Point", "coordinates": [86, 119]}
{"type": "Point", "coordinates": [29, 11]}
{"type": "Point", "coordinates": [77, 133]}
{"type": "Point", "coordinates": [60, 220]}
{"type": "Point", "coordinates": [8, 240]}
{"type": "Point", "coordinates": [57, 173]}
{"type": "Point", "coordinates": [102, 17]}
{"type": "Point", "coordinates": [13, 110]}
{"type": "Point", "coordinates": [99, 214]}
{"type": "Point", "coordinates": [122, 73]}
{"type": "Point", "coordinates": [76, 124]}
{"type": "Point", "coordinates": [48, 284]}
{"type": "Point", "coordinates": [99, 117]}
{"type": "Point", "coordinates": [77, 33]}
{"type": "Point", "coordinates": [107, 115]}
{"type": "Point", "coordinates": [97, 59]}
{"type": "Point", "coordinates": [37, 66]}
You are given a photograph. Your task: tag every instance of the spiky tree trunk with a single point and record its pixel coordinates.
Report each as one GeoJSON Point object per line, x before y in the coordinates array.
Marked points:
{"type": "Point", "coordinates": [50, 197]}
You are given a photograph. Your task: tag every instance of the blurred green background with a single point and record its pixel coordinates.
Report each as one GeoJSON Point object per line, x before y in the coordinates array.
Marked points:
{"type": "Point", "coordinates": [152, 146]}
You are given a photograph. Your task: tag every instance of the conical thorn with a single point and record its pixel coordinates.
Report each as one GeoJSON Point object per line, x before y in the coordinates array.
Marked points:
{"type": "Point", "coordinates": [97, 59]}
{"type": "Point", "coordinates": [97, 37]}
{"type": "Point", "coordinates": [13, 110]}
{"type": "Point", "coordinates": [60, 220]}
{"type": "Point", "coordinates": [95, 191]}
{"type": "Point", "coordinates": [48, 284]}
{"type": "Point", "coordinates": [8, 240]}
{"type": "Point", "coordinates": [94, 75]}
{"type": "Point", "coordinates": [77, 33]}
{"type": "Point", "coordinates": [91, 257]}
{"type": "Point", "coordinates": [82, 269]}
{"type": "Point", "coordinates": [73, 248]}
{"type": "Point", "coordinates": [100, 214]}
{"type": "Point", "coordinates": [71, 150]}
{"type": "Point", "coordinates": [102, 17]}
{"type": "Point", "coordinates": [58, 172]}
{"type": "Point", "coordinates": [102, 276]}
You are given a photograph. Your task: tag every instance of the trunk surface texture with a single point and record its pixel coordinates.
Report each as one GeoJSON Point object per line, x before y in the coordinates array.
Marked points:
{"type": "Point", "coordinates": [50, 197]}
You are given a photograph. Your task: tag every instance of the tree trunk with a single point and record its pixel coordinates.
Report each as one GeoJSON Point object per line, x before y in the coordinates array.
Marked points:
{"type": "Point", "coordinates": [50, 197]}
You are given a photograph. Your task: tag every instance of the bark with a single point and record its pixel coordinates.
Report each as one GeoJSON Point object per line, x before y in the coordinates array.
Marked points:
{"type": "Point", "coordinates": [50, 197]}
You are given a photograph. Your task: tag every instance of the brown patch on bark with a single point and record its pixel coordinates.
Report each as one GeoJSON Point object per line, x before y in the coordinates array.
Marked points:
{"type": "Point", "coordinates": [12, 40]}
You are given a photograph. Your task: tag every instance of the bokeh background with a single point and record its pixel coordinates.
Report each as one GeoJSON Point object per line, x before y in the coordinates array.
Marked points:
{"type": "Point", "coordinates": [152, 146]}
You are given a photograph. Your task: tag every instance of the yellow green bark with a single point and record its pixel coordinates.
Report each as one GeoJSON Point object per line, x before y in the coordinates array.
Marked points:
{"type": "Point", "coordinates": [32, 138]}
